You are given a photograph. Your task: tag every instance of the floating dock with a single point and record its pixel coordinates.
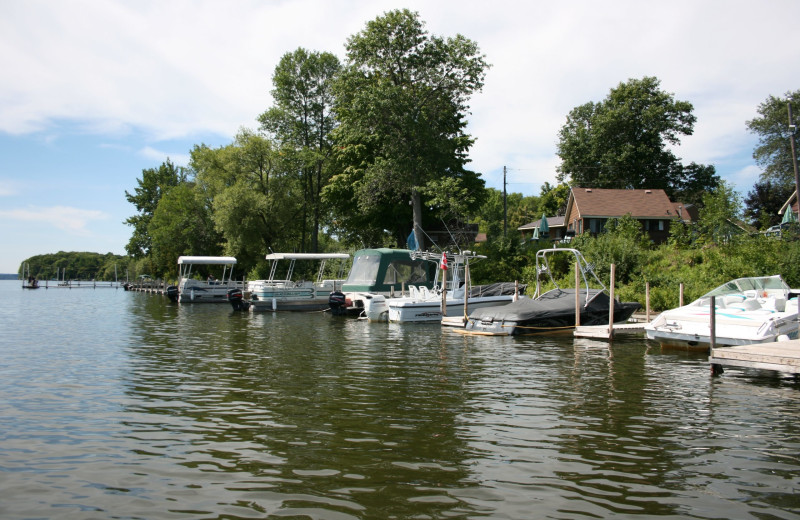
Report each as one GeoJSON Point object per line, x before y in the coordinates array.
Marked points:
{"type": "Point", "coordinates": [605, 331]}
{"type": "Point", "coordinates": [781, 356]}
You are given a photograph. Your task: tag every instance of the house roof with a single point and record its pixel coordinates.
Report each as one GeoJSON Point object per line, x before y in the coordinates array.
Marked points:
{"type": "Point", "coordinates": [551, 222]}
{"type": "Point", "coordinates": [593, 202]}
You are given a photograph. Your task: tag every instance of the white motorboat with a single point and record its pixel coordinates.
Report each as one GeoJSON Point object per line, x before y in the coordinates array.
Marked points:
{"type": "Point", "coordinates": [424, 305]}
{"type": "Point", "coordinates": [210, 290]}
{"type": "Point", "coordinates": [746, 310]}
{"type": "Point", "coordinates": [287, 294]}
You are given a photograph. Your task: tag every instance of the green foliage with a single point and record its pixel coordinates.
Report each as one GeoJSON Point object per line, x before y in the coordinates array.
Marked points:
{"type": "Point", "coordinates": [764, 201]}
{"type": "Point", "coordinates": [721, 211]}
{"type": "Point", "coordinates": [622, 142]}
{"type": "Point", "coordinates": [401, 101]}
{"type": "Point", "coordinates": [151, 187]}
{"type": "Point", "coordinates": [78, 266]}
{"type": "Point", "coordinates": [773, 152]}
{"type": "Point", "coordinates": [254, 194]}
{"type": "Point", "coordinates": [181, 225]}
{"type": "Point", "coordinates": [301, 122]}
{"type": "Point", "coordinates": [622, 243]}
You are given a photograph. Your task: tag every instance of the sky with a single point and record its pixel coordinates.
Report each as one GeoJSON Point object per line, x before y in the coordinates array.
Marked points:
{"type": "Point", "coordinates": [93, 92]}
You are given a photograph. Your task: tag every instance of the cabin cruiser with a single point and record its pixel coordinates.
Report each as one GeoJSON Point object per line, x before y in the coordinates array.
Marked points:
{"type": "Point", "coordinates": [378, 274]}
{"type": "Point", "coordinates": [210, 290]}
{"type": "Point", "coordinates": [746, 310]}
{"type": "Point", "coordinates": [555, 310]}
{"type": "Point", "coordinates": [286, 293]}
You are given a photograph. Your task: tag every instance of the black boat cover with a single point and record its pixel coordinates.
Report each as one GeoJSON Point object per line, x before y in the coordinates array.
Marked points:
{"type": "Point", "coordinates": [556, 306]}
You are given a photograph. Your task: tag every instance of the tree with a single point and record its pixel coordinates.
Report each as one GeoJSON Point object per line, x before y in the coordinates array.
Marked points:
{"type": "Point", "coordinates": [765, 200]}
{"type": "Point", "coordinates": [774, 152]}
{"type": "Point", "coordinates": [721, 211]}
{"type": "Point", "coordinates": [255, 196]}
{"type": "Point", "coordinates": [181, 225]}
{"type": "Point", "coordinates": [152, 186]}
{"type": "Point", "coordinates": [621, 142]}
{"type": "Point", "coordinates": [553, 199]}
{"type": "Point", "coordinates": [401, 102]}
{"type": "Point", "coordinates": [301, 121]}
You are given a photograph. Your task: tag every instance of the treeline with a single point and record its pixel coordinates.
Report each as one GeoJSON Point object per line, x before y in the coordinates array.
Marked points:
{"type": "Point", "coordinates": [75, 266]}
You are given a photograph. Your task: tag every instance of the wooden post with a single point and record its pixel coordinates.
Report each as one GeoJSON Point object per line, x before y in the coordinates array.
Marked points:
{"type": "Point", "coordinates": [444, 290]}
{"type": "Point", "coordinates": [611, 304]}
{"type": "Point", "coordinates": [466, 289]}
{"type": "Point", "coordinates": [680, 295]}
{"type": "Point", "coordinates": [577, 294]}
{"type": "Point", "coordinates": [713, 327]}
{"type": "Point", "coordinates": [647, 301]}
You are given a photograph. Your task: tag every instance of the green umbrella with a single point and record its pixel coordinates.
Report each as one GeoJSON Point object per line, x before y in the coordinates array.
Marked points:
{"type": "Point", "coordinates": [789, 216]}
{"type": "Point", "coordinates": [544, 227]}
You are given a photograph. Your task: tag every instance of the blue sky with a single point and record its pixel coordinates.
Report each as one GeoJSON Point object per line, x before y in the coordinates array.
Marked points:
{"type": "Point", "coordinates": [95, 92]}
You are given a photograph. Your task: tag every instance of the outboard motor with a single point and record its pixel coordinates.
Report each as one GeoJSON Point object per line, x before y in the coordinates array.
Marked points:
{"type": "Point", "coordinates": [236, 297]}
{"type": "Point", "coordinates": [172, 293]}
{"type": "Point", "coordinates": [337, 303]}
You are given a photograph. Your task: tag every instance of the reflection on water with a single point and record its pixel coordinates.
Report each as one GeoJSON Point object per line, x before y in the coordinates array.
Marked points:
{"type": "Point", "coordinates": [123, 405]}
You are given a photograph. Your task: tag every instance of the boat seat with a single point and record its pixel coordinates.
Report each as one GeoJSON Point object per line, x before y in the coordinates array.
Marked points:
{"type": "Point", "coordinates": [747, 305]}
{"type": "Point", "coordinates": [413, 291]}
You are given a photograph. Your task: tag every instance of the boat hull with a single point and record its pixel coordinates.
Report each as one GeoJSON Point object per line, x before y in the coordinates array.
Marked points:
{"type": "Point", "coordinates": [551, 313]}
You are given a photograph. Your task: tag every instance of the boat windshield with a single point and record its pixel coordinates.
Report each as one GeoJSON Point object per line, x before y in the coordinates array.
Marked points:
{"type": "Point", "coordinates": [755, 286]}
{"type": "Point", "coordinates": [364, 270]}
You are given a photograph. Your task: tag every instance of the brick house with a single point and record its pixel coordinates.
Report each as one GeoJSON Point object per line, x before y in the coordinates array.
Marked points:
{"type": "Point", "coordinates": [588, 210]}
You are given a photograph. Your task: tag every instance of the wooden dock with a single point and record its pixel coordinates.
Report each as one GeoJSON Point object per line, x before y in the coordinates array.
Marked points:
{"type": "Point", "coordinates": [781, 356]}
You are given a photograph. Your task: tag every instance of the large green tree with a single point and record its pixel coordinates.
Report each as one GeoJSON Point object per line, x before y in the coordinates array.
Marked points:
{"type": "Point", "coordinates": [623, 142]}
{"type": "Point", "coordinates": [773, 152]}
{"type": "Point", "coordinates": [255, 196]}
{"type": "Point", "coordinates": [151, 187]}
{"type": "Point", "coordinates": [401, 102]}
{"type": "Point", "coordinates": [181, 225]}
{"type": "Point", "coordinates": [301, 122]}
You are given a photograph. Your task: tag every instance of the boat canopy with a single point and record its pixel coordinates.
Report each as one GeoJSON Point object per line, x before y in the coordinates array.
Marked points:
{"type": "Point", "coordinates": [307, 256]}
{"type": "Point", "coordinates": [206, 260]}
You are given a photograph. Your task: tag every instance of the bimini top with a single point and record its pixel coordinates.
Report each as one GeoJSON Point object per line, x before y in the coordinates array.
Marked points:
{"type": "Point", "coordinates": [206, 260]}
{"type": "Point", "coordinates": [306, 256]}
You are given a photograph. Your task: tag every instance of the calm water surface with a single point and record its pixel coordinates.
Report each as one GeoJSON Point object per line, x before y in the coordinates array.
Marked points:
{"type": "Point", "coordinates": [124, 405]}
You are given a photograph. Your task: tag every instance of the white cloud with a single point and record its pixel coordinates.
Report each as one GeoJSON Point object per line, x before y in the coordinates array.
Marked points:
{"type": "Point", "coordinates": [178, 159]}
{"type": "Point", "coordinates": [72, 220]}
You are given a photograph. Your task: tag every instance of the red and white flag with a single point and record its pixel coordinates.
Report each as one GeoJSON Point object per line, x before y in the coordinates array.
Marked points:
{"type": "Point", "coordinates": [444, 262]}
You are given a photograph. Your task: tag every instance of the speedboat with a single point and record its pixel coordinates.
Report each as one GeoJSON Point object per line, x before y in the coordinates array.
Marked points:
{"type": "Point", "coordinates": [746, 310]}
{"type": "Point", "coordinates": [553, 311]}
{"type": "Point", "coordinates": [424, 305]}
{"type": "Point", "coordinates": [211, 290]}
{"type": "Point", "coordinates": [288, 294]}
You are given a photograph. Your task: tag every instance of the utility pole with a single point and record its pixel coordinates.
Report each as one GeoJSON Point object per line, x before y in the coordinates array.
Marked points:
{"type": "Point", "coordinates": [505, 202]}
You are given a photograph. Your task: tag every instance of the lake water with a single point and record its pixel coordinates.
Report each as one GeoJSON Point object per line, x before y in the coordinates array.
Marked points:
{"type": "Point", "coordinates": [124, 405]}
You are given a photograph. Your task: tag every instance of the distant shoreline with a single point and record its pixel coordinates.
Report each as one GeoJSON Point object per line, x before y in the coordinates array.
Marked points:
{"type": "Point", "coordinates": [12, 276]}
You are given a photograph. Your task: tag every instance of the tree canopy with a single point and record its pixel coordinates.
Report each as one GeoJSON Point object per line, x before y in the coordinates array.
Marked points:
{"type": "Point", "coordinates": [301, 122]}
{"type": "Point", "coordinates": [773, 151]}
{"type": "Point", "coordinates": [623, 142]}
{"type": "Point", "coordinates": [401, 102]}
{"type": "Point", "coordinates": [152, 186]}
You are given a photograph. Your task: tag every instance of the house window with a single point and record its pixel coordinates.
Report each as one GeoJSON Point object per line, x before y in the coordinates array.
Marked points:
{"type": "Point", "coordinates": [661, 225]}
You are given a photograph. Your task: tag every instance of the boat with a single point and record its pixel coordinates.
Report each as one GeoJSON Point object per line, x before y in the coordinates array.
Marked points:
{"type": "Point", "coordinates": [210, 290]}
{"type": "Point", "coordinates": [747, 310]}
{"type": "Point", "coordinates": [286, 294]}
{"type": "Point", "coordinates": [424, 305]}
{"type": "Point", "coordinates": [553, 311]}
{"type": "Point", "coordinates": [31, 282]}
{"type": "Point", "coordinates": [380, 272]}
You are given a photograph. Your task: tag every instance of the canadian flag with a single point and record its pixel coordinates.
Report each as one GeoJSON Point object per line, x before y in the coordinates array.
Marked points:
{"type": "Point", "coordinates": [444, 262]}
